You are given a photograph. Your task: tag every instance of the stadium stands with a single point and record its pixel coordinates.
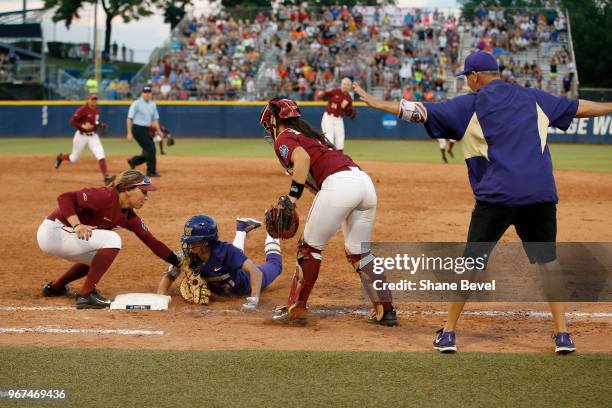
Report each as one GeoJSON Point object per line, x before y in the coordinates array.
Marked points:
{"type": "Point", "coordinates": [395, 52]}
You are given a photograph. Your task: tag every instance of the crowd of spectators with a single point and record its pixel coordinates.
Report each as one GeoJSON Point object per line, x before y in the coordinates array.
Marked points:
{"type": "Point", "coordinates": [116, 89]}
{"type": "Point", "coordinates": [397, 52]}
{"type": "Point", "coordinates": [305, 51]}
{"type": "Point", "coordinates": [9, 65]}
{"type": "Point", "coordinates": [401, 51]}
{"type": "Point", "coordinates": [510, 35]}
{"type": "Point", "coordinates": [216, 58]}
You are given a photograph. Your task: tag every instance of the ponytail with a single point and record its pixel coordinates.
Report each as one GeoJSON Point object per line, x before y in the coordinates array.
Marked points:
{"type": "Point", "coordinates": [303, 127]}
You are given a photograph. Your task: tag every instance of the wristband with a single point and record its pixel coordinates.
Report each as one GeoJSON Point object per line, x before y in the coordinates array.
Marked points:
{"type": "Point", "coordinates": [76, 225]}
{"type": "Point", "coordinates": [296, 189]}
{"type": "Point", "coordinates": [173, 260]}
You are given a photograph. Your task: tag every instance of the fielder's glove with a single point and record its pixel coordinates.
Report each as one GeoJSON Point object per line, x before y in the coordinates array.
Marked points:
{"type": "Point", "coordinates": [102, 128]}
{"type": "Point", "coordinates": [351, 112]}
{"type": "Point", "coordinates": [282, 219]}
{"type": "Point", "coordinates": [193, 287]}
{"type": "Point", "coordinates": [170, 139]}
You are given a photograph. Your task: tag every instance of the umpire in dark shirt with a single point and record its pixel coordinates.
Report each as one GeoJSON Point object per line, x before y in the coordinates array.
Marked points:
{"type": "Point", "coordinates": [142, 114]}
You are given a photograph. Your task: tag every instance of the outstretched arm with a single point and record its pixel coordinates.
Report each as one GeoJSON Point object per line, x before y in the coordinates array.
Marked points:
{"type": "Point", "coordinates": [404, 110]}
{"type": "Point", "coordinates": [589, 109]}
{"type": "Point", "coordinates": [164, 285]}
{"type": "Point", "coordinates": [256, 277]}
{"type": "Point", "coordinates": [392, 107]}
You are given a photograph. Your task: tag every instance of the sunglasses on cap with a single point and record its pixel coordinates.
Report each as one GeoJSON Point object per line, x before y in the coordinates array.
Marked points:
{"type": "Point", "coordinates": [143, 183]}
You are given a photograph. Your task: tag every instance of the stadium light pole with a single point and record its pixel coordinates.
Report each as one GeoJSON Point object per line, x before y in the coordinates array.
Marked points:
{"type": "Point", "coordinates": [97, 60]}
{"type": "Point", "coordinates": [23, 15]}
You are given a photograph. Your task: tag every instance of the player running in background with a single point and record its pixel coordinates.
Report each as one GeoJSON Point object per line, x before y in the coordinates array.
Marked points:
{"type": "Point", "coordinates": [86, 120]}
{"type": "Point", "coordinates": [224, 266]}
{"type": "Point", "coordinates": [345, 197]}
{"type": "Point", "coordinates": [444, 143]}
{"type": "Point", "coordinates": [503, 129]}
{"type": "Point", "coordinates": [339, 104]}
{"type": "Point", "coordinates": [81, 230]}
{"type": "Point", "coordinates": [161, 134]}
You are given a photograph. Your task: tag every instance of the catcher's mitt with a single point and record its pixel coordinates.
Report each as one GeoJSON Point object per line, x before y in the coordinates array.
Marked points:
{"type": "Point", "coordinates": [102, 128]}
{"type": "Point", "coordinates": [193, 287]}
{"type": "Point", "coordinates": [282, 220]}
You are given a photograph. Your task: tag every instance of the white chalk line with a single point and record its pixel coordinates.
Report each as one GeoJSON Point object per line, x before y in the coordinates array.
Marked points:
{"type": "Point", "coordinates": [340, 311]}
{"type": "Point", "coordinates": [57, 330]}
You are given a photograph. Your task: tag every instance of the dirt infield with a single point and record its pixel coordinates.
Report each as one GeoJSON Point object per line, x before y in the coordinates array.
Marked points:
{"type": "Point", "coordinates": [417, 202]}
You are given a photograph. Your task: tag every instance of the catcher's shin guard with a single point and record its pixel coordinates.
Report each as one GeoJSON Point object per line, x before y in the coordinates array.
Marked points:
{"type": "Point", "coordinates": [383, 311]}
{"type": "Point", "coordinates": [306, 274]}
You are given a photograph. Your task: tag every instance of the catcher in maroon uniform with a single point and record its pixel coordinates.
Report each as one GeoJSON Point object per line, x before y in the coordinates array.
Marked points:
{"type": "Point", "coordinates": [345, 197]}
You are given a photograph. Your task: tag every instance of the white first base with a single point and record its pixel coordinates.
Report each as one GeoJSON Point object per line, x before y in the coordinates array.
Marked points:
{"type": "Point", "coordinates": [141, 301]}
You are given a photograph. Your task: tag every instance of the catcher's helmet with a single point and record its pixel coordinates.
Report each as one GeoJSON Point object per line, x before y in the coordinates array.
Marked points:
{"type": "Point", "coordinates": [200, 228]}
{"type": "Point", "coordinates": [284, 109]}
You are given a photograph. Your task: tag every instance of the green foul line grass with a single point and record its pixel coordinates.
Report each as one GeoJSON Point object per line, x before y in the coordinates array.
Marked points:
{"type": "Point", "coordinates": [142, 378]}
{"type": "Point", "coordinates": [596, 158]}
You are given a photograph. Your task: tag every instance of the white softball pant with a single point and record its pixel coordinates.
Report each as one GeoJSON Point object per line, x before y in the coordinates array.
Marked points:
{"type": "Point", "coordinates": [333, 128]}
{"type": "Point", "coordinates": [347, 199]}
{"type": "Point", "coordinates": [80, 141]}
{"type": "Point", "coordinates": [54, 238]}
{"type": "Point", "coordinates": [442, 143]}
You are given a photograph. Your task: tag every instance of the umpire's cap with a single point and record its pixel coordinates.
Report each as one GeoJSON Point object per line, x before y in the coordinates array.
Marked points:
{"type": "Point", "coordinates": [479, 61]}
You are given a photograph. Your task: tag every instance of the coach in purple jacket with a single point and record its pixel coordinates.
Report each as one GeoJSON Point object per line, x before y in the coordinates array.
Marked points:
{"type": "Point", "coordinates": [502, 128]}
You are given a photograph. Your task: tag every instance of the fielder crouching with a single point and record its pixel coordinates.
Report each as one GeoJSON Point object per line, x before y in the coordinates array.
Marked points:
{"type": "Point", "coordinates": [211, 265]}
{"type": "Point", "coordinates": [81, 230]}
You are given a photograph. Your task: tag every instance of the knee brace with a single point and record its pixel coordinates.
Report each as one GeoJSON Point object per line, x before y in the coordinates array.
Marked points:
{"type": "Point", "coordinates": [363, 265]}
{"type": "Point", "coordinates": [306, 273]}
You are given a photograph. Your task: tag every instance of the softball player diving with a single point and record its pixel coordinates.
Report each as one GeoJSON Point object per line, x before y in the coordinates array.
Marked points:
{"type": "Point", "coordinates": [345, 197]}
{"type": "Point", "coordinates": [502, 128]}
{"type": "Point", "coordinates": [224, 267]}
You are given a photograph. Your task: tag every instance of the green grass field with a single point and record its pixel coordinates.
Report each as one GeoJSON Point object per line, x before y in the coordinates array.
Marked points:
{"type": "Point", "coordinates": [127, 378]}
{"type": "Point", "coordinates": [596, 158]}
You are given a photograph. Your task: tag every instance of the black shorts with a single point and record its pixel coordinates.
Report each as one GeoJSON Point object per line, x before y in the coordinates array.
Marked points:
{"type": "Point", "coordinates": [535, 224]}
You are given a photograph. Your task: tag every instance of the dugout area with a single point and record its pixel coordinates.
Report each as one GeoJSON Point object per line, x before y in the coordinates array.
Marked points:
{"type": "Point", "coordinates": [218, 356]}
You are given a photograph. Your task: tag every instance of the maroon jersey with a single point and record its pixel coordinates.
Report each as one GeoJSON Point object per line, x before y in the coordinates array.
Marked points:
{"type": "Point", "coordinates": [323, 159]}
{"type": "Point", "coordinates": [338, 102]}
{"type": "Point", "coordinates": [99, 207]}
{"type": "Point", "coordinates": [83, 115]}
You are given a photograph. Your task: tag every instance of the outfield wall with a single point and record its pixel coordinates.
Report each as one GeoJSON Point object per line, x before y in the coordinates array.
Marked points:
{"type": "Point", "coordinates": [232, 119]}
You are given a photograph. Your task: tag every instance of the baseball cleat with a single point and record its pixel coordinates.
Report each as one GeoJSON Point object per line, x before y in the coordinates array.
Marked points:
{"type": "Point", "coordinates": [108, 179]}
{"type": "Point", "coordinates": [131, 164]}
{"type": "Point", "coordinates": [153, 174]}
{"type": "Point", "coordinates": [388, 318]}
{"type": "Point", "coordinates": [49, 291]}
{"type": "Point", "coordinates": [247, 224]}
{"type": "Point", "coordinates": [296, 316]}
{"type": "Point", "coordinates": [58, 160]}
{"type": "Point", "coordinates": [564, 343]}
{"type": "Point", "coordinates": [445, 341]}
{"type": "Point", "coordinates": [92, 300]}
